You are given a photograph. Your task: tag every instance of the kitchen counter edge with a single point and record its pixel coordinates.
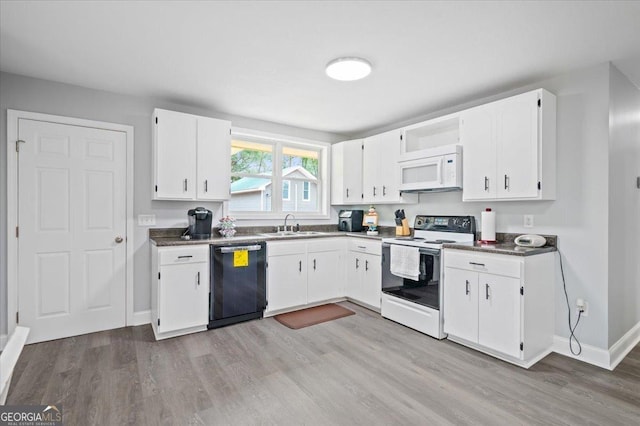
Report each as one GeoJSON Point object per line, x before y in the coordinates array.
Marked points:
{"type": "Point", "coordinates": [509, 249]}
{"type": "Point", "coordinates": [176, 241]}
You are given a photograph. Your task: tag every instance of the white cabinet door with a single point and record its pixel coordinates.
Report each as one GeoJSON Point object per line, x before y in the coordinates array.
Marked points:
{"type": "Point", "coordinates": [324, 276]}
{"type": "Point", "coordinates": [175, 155]}
{"type": "Point", "coordinates": [371, 280]}
{"type": "Point", "coordinates": [389, 172]}
{"type": "Point", "coordinates": [183, 296]}
{"type": "Point", "coordinates": [461, 304]}
{"type": "Point", "coordinates": [371, 172]}
{"type": "Point", "coordinates": [286, 281]}
{"type": "Point", "coordinates": [355, 270]}
{"type": "Point", "coordinates": [479, 153]}
{"type": "Point", "coordinates": [213, 159]}
{"type": "Point", "coordinates": [346, 172]}
{"type": "Point", "coordinates": [499, 313]}
{"type": "Point", "coordinates": [517, 146]}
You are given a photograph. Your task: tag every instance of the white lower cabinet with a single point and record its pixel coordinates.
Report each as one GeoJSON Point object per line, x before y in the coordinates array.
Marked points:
{"type": "Point", "coordinates": [500, 304]}
{"type": "Point", "coordinates": [180, 294]}
{"type": "Point", "coordinates": [303, 272]}
{"type": "Point", "coordinates": [364, 272]}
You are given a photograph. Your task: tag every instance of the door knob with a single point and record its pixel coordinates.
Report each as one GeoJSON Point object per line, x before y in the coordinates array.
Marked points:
{"type": "Point", "coordinates": [119, 239]}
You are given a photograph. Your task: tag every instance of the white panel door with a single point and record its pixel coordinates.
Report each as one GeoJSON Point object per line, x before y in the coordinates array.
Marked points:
{"type": "Point", "coordinates": [479, 153]}
{"type": "Point", "coordinates": [213, 159]}
{"type": "Point", "coordinates": [517, 146]}
{"type": "Point", "coordinates": [183, 296]}
{"type": "Point", "coordinates": [372, 280]}
{"type": "Point", "coordinates": [286, 281]}
{"type": "Point", "coordinates": [371, 169]}
{"type": "Point", "coordinates": [461, 304]}
{"type": "Point", "coordinates": [499, 313]}
{"type": "Point", "coordinates": [72, 221]}
{"type": "Point", "coordinates": [355, 272]}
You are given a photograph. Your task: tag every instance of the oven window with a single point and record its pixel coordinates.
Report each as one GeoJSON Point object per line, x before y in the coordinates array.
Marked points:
{"type": "Point", "coordinates": [425, 291]}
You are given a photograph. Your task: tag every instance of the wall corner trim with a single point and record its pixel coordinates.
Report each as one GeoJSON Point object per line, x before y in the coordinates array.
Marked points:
{"type": "Point", "coordinates": [624, 345]}
{"type": "Point", "coordinates": [141, 318]}
{"type": "Point", "coordinates": [590, 354]}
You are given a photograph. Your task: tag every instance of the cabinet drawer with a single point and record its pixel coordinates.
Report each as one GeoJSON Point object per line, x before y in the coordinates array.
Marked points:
{"type": "Point", "coordinates": [180, 255]}
{"type": "Point", "coordinates": [488, 263]}
{"type": "Point", "coordinates": [285, 248]}
{"type": "Point", "coordinates": [365, 246]}
{"type": "Point", "coordinates": [323, 244]}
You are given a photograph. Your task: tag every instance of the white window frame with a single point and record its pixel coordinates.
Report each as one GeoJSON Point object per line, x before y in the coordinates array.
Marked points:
{"type": "Point", "coordinates": [308, 191]}
{"type": "Point", "coordinates": [288, 183]}
{"type": "Point", "coordinates": [278, 141]}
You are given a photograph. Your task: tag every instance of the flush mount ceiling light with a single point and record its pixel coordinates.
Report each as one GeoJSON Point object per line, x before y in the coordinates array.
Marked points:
{"type": "Point", "coordinates": [348, 69]}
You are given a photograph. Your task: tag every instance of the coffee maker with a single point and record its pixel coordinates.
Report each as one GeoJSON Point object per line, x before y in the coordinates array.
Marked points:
{"type": "Point", "coordinates": [200, 223]}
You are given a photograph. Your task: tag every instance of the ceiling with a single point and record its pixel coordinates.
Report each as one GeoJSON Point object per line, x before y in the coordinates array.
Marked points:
{"type": "Point", "coordinates": [266, 60]}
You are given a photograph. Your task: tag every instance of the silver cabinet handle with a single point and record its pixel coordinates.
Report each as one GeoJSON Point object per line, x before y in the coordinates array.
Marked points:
{"type": "Point", "coordinates": [366, 265]}
{"type": "Point", "coordinates": [476, 264]}
{"type": "Point", "coordinates": [486, 183]}
{"type": "Point", "coordinates": [362, 247]}
{"type": "Point", "coordinates": [185, 185]}
{"type": "Point", "coordinates": [119, 239]}
{"type": "Point", "coordinates": [486, 291]}
{"type": "Point", "coordinates": [506, 182]}
{"type": "Point", "coordinates": [314, 264]}
{"type": "Point", "coordinates": [198, 277]}
{"type": "Point", "coordinates": [357, 263]}
{"type": "Point", "coordinates": [206, 185]}
{"type": "Point", "coordinates": [384, 191]}
{"type": "Point", "coordinates": [185, 257]}
{"type": "Point", "coordinates": [374, 191]}
{"type": "Point", "coordinates": [300, 266]}
{"type": "Point", "coordinates": [467, 288]}
{"type": "Point", "coordinates": [347, 192]}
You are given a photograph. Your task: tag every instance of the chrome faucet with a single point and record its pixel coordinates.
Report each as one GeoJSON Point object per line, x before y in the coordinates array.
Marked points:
{"type": "Point", "coordinates": [285, 221]}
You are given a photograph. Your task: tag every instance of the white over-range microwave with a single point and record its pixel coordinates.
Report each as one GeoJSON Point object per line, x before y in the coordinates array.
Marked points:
{"type": "Point", "coordinates": [439, 169]}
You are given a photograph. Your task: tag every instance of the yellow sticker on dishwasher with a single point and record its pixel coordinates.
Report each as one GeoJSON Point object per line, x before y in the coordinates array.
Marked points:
{"type": "Point", "coordinates": [240, 258]}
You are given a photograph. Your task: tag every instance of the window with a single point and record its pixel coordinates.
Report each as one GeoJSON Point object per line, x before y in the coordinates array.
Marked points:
{"type": "Point", "coordinates": [274, 175]}
{"type": "Point", "coordinates": [286, 185]}
{"type": "Point", "coordinates": [306, 193]}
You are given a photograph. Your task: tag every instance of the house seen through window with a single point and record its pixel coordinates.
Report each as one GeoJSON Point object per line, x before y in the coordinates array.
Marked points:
{"type": "Point", "coordinates": [275, 176]}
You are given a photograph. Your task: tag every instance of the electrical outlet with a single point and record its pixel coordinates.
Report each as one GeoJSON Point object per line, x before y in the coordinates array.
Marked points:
{"type": "Point", "coordinates": [146, 220]}
{"type": "Point", "coordinates": [583, 306]}
{"type": "Point", "coordinates": [528, 221]}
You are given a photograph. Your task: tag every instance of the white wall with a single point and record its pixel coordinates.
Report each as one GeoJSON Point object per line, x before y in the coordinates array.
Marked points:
{"type": "Point", "coordinates": [624, 206]}
{"type": "Point", "coordinates": [29, 94]}
{"type": "Point", "coordinates": [579, 216]}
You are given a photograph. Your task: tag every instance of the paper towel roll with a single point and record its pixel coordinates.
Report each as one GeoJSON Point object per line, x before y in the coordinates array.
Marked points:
{"type": "Point", "coordinates": [488, 226]}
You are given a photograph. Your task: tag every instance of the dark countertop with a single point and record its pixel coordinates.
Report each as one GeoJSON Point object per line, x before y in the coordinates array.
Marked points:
{"type": "Point", "coordinates": [508, 248]}
{"type": "Point", "coordinates": [167, 237]}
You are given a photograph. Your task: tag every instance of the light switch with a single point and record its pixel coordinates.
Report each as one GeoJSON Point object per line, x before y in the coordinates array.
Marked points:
{"type": "Point", "coordinates": [528, 221]}
{"type": "Point", "coordinates": [146, 220]}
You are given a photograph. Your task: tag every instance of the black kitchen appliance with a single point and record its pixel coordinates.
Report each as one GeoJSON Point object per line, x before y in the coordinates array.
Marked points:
{"type": "Point", "coordinates": [238, 283]}
{"type": "Point", "coordinates": [350, 220]}
{"type": "Point", "coordinates": [200, 223]}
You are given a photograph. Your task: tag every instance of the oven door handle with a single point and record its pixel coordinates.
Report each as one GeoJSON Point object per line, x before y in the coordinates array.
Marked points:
{"type": "Point", "coordinates": [434, 252]}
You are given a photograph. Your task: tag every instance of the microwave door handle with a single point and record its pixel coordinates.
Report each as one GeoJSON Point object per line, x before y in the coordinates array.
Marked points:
{"type": "Point", "coordinates": [439, 172]}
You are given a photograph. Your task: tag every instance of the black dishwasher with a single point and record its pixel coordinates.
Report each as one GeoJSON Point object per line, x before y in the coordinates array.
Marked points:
{"type": "Point", "coordinates": [238, 283]}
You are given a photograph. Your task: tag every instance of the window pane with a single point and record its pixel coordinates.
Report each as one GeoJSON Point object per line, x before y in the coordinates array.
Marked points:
{"type": "Point", "coordinates": [251, 176]}
{"type": "Point", "coordinates": [301, 167]}
{"type": "Point", "coordinates": [285, 189]}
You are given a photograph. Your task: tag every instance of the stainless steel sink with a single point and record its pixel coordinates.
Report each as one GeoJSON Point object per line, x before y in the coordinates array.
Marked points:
{"type": "Point", "coordinates": [291, 234]}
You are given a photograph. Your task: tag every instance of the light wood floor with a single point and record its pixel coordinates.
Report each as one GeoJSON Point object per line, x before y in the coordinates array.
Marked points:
{"type": "Point", "coordinates": [361, 369]}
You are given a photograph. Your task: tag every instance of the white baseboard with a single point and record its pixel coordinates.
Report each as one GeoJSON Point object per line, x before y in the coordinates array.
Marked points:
{"type": "Point", "coordinates": [141, 318]}
{"type": "Point", "coordinates": [590, 354]}
{"type": "Point", "coordinates": [3, 341]}
{"type": "Point", "coordinates": [624, 345]}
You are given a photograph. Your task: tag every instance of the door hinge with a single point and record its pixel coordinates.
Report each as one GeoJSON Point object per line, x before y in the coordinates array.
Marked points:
{"type": "Point", "coordinates": [539, 186]}
{"type": "Point", "coordinates": [158, 322]}
{"type": "Point", "coordinates": [156, 120]}
{"type": "Point", "coordinates": [17, 231]}
{"type": "Point", "coordinates": [158, 275]}
{"type": "Point", "coordinates": [521, 346]}
{"type": "Point", "coordinates": [17, 317]}
{"type": "Point", "coordinates": [266, 264]}
{"type": "Point", "coordinates": [522, 291]}
{"type": "Point", "coordinates": [18, 142]}
{"type": "Point", "coordinates": [539, 103]}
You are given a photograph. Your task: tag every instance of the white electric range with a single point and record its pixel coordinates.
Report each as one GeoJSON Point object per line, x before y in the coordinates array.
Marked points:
{"type": "Point", "coordinates": [412, 271]}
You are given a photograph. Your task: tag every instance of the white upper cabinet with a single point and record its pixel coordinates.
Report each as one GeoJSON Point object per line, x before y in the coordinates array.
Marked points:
{"type": "Point", "coordinates": [380, 171]}
{"type": "Point", "coordinates": [191, 157]}
{"type": "Point", "coordinates": [509, 149]}
{"type": "Point", "coordinates": [346, 172]}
